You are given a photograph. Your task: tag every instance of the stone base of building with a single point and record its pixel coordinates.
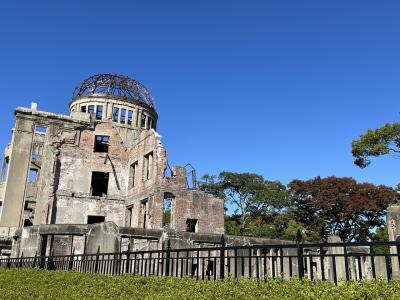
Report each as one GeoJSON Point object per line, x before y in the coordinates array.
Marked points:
{"type": "Point", "coordinates": [107, 237]}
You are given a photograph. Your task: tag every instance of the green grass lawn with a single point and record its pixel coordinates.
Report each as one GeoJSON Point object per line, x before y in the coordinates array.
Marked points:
{"type": "Point", "coordinates": [40, 284]}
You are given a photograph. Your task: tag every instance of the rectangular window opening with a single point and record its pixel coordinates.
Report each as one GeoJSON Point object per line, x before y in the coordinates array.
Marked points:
{"type": "Point", "coordinates": [130, 117]}
{"type": "Point", "coordinates": [4, 171]}
{"type": "Point", "coordinates": [99, 112]}
{"type": "Point", "coordinates": [144, 207]}
{"type": "Point", "coordinates": [40, 129]}
{"type": "Point", "coordinates": [132, 174]}
{"type": "Point", "coordinates": [1, 208]}
{"type": "Point", "coordinates": [191, 225]}
{"type": "Point", "coordinates": [32, 175]}
{"type": "Point", "coordinates": [91, 109]}
{"type": "Point", "coordinates": [115, 114]}
{"type": "Point", "coordinates": [143, 121]}
{"type": "Point", "coordinates": [101, 143]}
{"type": "Point", "coordinates": [95, 219]}
{"type": "Point", "coordinates": [99, 184]}
{"type": "Point", "coordinates": [83, 109]}
{"type": "Point", "coordinates": [123, 115]}
{"type": "Point", "coordinates": [148, 160]}
{"type": "Point", "coordinates": [167, 210]}
{"type": "Point", "coordinates": [129, 216]}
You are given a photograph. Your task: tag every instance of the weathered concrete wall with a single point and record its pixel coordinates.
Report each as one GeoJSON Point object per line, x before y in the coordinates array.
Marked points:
{"type": "Point", "coordinates": [75, 210]}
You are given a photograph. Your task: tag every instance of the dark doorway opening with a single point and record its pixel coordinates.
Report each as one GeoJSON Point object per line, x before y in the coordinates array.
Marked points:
{"type": "Point", "coordinates": [191, 225]}
{"type": "Point", "coordinates": [99, 184]}
{"type": "Point", "coordinates": [27, 223]}
{"type": "Point", "coordinates": [95, 219]}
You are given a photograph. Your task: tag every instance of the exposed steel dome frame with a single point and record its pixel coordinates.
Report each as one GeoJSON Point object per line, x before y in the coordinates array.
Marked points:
{"type": "Point", "coordinates": [114, 86]}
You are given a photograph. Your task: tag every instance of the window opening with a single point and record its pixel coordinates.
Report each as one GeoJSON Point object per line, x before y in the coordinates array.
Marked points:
{"type": "Point", "coordinates": [32, 175]}
{"type": "Point", "coordinates": [143, 121]}
{"type": "Point", "coordinates": [115, 114]}
{"type": "Point", "coordinates": [123, 115]}
{"type": "Point", "coordinates": [144, 207]}
{"type": "Point", "coordinates": [129, 217]}
{"type": "Point", "coordinates": [101, 143]}
{"type": "Point", "coordinates": [4, 172]}
{"type": "Point", "coordinates": [95, 219]}
{"type": "Point", "coordinates": [91, 109]}
{"type": "Point", "coordinates": [40, 129]}
{"type": "Point", "coordinates": [148, 159]}
{"type": "Point", "coordinates": [130, 117]}
{"type": "Point", "coordinates": [1, 208]}
{"type": "Point", "coordinates": [132, 174]}
{"type": "Point", "coordinates": [167, 210]}
{"type": "Point", "coordinates": [99, 112]}
{"type": "Point", "coordinates": [99, 184]}
{"type": "Point", "coordinates": [83, 109]}
{"type": "Point", "coordinates": [191, 225]}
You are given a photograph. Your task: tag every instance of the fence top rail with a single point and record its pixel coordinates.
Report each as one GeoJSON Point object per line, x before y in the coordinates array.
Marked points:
{"type": "Point", "coordinates": [228, 248]}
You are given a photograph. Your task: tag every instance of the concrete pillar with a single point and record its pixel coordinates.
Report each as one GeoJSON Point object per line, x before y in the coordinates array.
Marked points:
{"type": "Point", "coordinates": [393, 225]}
{"type": "Point", "coordinates": [380, 267]}
{"type": "Point", "coordinates": [339, 260]}
{"type": "Point", "coordinates": [49, 174]}
{"type": "Point", "coordinates": [18, 173]}
{"type": "Point", "coordinates": [104, 235]}
{"type": "Point", "coordinates": [139, 119]}
{"type": "Point", "coordinates": [135, 118]}
{"type": "Point", "coordinates": [109, 111]}
{"type": "Point", "coordinates": [119, 114]}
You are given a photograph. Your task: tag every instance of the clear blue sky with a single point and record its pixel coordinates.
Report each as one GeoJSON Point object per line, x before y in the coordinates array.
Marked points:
{"type": "Point", "coordinates": [279, 88]}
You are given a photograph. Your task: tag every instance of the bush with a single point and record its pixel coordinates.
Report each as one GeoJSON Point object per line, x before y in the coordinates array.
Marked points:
{"type": "Point", "coordinates": [40, 284]}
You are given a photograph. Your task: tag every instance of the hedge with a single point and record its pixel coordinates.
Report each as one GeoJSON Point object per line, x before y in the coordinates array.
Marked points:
{"type": "Point", "coordinates": [41, 284]}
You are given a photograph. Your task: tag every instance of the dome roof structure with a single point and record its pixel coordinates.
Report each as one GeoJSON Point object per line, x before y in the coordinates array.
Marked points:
{"type": "Point", "coordinates": [114, 86]}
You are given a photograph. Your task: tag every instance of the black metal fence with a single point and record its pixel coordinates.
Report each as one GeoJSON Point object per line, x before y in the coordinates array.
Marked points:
{"type": "Point", "coordinates": [326, 261]}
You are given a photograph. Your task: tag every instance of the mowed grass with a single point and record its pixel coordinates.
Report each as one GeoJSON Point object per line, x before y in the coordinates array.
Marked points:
{"type": "Point", "coordinates": [41, 284]}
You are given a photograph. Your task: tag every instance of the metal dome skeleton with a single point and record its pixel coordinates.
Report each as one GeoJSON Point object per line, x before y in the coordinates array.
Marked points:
{"type": "Point", "coordinates": [114, 86]}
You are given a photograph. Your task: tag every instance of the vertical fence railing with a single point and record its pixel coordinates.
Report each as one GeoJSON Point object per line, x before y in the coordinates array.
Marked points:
{"type": "Point", "coordinates": [333, 262]}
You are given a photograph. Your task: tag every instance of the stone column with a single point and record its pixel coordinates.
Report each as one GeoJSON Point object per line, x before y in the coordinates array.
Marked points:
{"type": "Point", "coordinates": [18, 173]}
{"type": "Point", "coordinates": [339, 260]}
{"type": "Point", "coordinates": [393, 222]}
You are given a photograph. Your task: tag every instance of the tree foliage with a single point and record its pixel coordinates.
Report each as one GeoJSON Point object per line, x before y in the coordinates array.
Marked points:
{"type": "Point", "coordinates": [341, 206]}
{"type": "Point", "coordinates": [317, 208]}
{"type": "Point", "coordinates": [373, 143]}
{"type": "Point", "coordinates": [248, 193]}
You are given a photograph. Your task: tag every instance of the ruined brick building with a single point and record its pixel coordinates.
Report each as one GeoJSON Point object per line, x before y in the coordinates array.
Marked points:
{"type": "Point", "coordinates": [104, 162]}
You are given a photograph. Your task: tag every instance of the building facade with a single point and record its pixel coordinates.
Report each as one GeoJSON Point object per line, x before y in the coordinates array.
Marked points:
{"type": "Point", "coordinates": [103, 162]}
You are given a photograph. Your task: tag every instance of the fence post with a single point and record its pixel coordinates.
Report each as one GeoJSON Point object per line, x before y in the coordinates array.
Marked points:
{"type": "Point", "coordinates": [127, 265]}
{"type": "Point", "coordinates": [222, 258]}
{"type": "Point", "coordinates": [167, 257]}
{"type": "Point", "coordinates": [9, 262]}
{"type": "Point", "coordinates": [300, 255]}
{"type": "Point", "coordinates": [71, 260]}
{"type": "Point", "coordinates": [20, 260]}
{"type": "Point", "coordinates": [97, 260]}
{"type": "Point", "coordinates": [34, 260]}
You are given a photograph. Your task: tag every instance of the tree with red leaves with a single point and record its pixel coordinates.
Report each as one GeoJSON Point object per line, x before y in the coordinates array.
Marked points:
{"type": "Point", "coordinates": [341, 206]}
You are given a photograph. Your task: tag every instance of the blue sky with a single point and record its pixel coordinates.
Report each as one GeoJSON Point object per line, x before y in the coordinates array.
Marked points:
{"type": "Point", "coordinates": [279, 88]}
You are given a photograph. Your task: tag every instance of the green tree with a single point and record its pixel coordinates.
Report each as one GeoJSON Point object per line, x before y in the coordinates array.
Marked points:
{"type": "Point", "coordinates": [248, 193]}
{"type": "Point", "coordinates": [373, 143]}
